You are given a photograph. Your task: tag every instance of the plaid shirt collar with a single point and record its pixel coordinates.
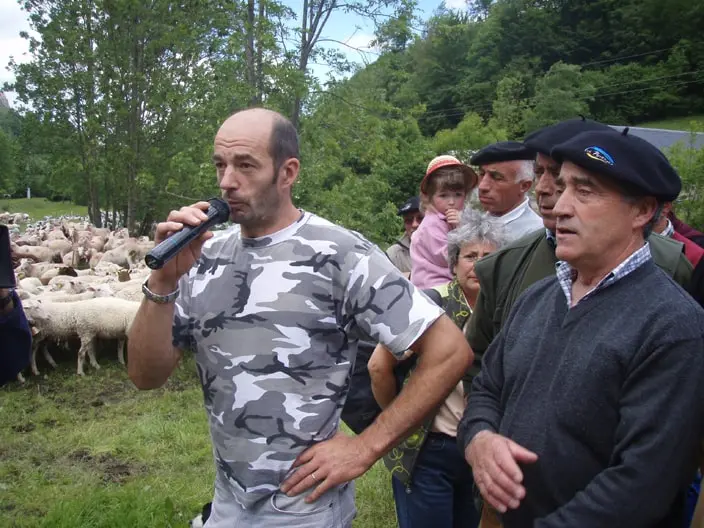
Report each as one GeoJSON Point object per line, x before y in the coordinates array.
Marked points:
{"type": "Point", "coordinates": [669, 230]}
{"type": "Point", "coordinates": [566, 275]}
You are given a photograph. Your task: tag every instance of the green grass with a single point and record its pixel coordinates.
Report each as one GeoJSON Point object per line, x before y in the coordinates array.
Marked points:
{"type": "Point", "coordinates": [97, 453]}
{"type": "Point", "coordinates": [687, 124]}
{"type": "Point", "coordinates": [38, 208]}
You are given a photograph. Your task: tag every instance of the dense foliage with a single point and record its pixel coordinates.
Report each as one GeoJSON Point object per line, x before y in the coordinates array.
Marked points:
{"type": "Point", "coordinates": [120, 104]}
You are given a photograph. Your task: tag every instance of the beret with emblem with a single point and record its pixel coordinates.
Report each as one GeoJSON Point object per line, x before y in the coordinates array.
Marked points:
{"type": "Point", "coordinates": [545, 139]}
{"type": "Point", "coordinates": [628, 160]}
{"type": "Point", "coordinates": [502, 151]}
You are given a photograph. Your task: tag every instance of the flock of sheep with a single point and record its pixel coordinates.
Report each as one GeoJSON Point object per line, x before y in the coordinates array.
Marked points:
{"type": "Point", "coordinates": [78, 283]}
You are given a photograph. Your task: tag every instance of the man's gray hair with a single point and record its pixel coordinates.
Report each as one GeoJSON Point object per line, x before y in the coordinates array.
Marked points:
{"type": "Point", "coordinates": [475, 227]}
{"type": "Point", "coordinates": [526, 171]}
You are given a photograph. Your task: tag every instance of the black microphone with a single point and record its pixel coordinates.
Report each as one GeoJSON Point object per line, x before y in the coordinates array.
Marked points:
{"type": "Point", "coordinates": [218, 212]}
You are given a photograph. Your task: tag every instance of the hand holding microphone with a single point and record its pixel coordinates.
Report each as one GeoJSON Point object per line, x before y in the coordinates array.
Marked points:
{"type": "Point", "coordinates": [180, 239]}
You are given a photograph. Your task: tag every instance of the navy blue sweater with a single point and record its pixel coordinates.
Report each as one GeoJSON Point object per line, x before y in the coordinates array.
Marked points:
{"type": "Point", "coordinates": [15, 342]}
{"type": "Point", "coordinates": [609, 394]}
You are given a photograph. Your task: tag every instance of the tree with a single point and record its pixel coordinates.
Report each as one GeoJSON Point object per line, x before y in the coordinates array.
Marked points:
{"type": "Point", "coordinates": [560, 94]}
{"type": "Point", "coordinates": [689, 162]}
{"type": "Point", "coordinates": [469, 136]}
{"type": "Point", "coordinates": [511, 104]}
{"type": "Point", "coordinates": [8, 168]}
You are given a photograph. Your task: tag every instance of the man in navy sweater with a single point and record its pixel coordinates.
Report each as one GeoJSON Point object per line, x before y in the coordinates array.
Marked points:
{"type": "Point", "coordinates": [588, 410]}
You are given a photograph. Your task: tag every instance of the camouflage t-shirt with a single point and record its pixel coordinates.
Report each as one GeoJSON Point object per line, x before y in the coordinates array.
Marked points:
{"type": "Point", "coordinates": [274, 323]}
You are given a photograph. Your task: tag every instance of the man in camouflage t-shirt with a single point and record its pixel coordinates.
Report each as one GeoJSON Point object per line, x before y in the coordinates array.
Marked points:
{"type": "Point", "coordinates": [272, 309]}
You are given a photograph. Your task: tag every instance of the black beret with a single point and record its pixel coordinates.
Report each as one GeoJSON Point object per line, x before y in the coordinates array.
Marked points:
{"type": "Point", "coordinates": [545, 139]}
{"type": "Point", "coordinates": [502, 151]}
{"type": "Point", "coordinates": [411, 205]}
{"type": "Point", "coordinates": [628, 160]}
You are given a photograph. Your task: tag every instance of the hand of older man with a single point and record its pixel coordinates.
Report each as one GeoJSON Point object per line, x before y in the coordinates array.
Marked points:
{"type": "Point", "coordinates": [329, 464]}
{"type": "Point", "coordinates": [494, 460]}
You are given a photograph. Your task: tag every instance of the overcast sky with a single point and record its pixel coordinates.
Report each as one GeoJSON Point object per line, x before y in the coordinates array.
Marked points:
{"type": "Point", "coordinates": [355, 31]}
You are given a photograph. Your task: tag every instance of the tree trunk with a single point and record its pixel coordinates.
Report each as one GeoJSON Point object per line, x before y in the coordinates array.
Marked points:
{"type": "Point", "coordinates": [249, 52]}
{"type": "Point", "coordinates": [259, 73]}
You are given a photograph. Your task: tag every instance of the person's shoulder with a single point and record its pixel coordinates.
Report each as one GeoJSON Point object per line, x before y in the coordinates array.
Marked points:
{"type": "Point", "coordinates": [329, 237]}
{"type": "Point", "coordinates": [672, 313]}
{"type": "Point", "coordinates": [533, 293]}
{"type": "Point", "coordinates": [669, 292]}
{"type": "Point", "coordinates": [221, 241]}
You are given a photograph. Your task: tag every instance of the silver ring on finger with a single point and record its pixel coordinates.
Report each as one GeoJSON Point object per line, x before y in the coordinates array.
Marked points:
{"type": "Point", "coordinates": [313, 476]}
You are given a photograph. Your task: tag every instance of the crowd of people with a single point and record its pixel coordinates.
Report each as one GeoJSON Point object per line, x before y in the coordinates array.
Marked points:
{"type": "Point", "coordinates": [553, 357]}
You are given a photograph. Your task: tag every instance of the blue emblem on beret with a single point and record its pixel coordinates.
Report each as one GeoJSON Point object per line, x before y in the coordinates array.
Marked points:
{"type": "Point", "coordinates": [599, 154]}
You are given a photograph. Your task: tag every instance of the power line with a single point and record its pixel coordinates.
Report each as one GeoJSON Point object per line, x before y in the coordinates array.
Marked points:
{"type": "Point", "coordinates": [462, 110]}
{"type": "Point", "coordinates": [479, 106]}
{"type": "Point", "coordinates": [605, 61]}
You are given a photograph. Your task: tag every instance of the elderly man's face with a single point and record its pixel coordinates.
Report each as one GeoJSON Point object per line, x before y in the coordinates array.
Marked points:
{"type": "Point", "coordinates": [548, 188]}
{"type": "Point", "coordinates": [464, 269]}
{"type": "Point", "coordinates": [411, 221]}
{"type": "Point", "coordinates": [595, 226]}
{"type": "Point", "coordinates": [499, 192]}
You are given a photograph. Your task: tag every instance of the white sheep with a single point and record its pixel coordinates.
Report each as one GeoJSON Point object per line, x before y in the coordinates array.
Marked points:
{"type": "Point", "coordinates": [59, 245]}
{"type": "Point", "coordinates": [104, 318]}
{"type": "Point", "coordinates": [27, 268]}
{"type": "Point", "coordinates": [31, 285]}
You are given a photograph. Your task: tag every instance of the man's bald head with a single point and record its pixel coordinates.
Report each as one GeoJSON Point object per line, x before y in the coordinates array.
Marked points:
{"type": "Point", "coordinates": [283, 138]}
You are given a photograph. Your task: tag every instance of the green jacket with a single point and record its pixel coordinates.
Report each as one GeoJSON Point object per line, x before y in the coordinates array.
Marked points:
{"type": "Point", "coordinates": [507, 273]}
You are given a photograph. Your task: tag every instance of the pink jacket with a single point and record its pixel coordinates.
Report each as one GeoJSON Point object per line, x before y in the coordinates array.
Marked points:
{"type": "Point", "coordinates": [429, 252]}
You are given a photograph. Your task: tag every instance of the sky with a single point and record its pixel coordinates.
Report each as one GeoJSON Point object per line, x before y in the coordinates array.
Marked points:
{"type": "Point", "coordinates": [355, 31]}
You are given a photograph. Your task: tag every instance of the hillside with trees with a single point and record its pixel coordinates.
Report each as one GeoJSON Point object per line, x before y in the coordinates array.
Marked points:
{"type": "Point", "coordinates": [119, 106]}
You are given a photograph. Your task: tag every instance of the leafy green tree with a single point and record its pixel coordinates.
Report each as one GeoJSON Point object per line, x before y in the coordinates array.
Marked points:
{"type": "Point", "coordinates": [560, 94]}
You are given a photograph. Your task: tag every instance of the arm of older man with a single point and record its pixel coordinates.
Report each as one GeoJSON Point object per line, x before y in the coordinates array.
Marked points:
{"type": "Point", "coordinates": [443, 356]}
{"type": "Point", "coordinates": [381, 372]}
{"type": "Point", "coordinates": [494, 458]}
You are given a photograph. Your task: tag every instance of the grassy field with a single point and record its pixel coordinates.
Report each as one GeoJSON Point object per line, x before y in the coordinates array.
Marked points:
{"type": "Point", "coordinates": [679, 123]}
{"type": "Point", "coordinates": [97, 453]}
{"type": "Point", "coordinates": [38, 208]}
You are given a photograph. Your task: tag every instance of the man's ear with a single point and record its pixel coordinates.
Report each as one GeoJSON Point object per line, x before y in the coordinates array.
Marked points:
{"type": "Point", "coordinates": [525, 186]}
{"type": "Point", "coordinates": [288, 173]}
{"type": "Point", "coordinates": [645, 209]}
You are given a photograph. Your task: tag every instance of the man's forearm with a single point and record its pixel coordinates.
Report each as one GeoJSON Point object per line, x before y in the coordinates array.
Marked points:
{"type": "Point", "coordinates": [150, 352]}
{"type": "Point", "coordinates": [438, 371]}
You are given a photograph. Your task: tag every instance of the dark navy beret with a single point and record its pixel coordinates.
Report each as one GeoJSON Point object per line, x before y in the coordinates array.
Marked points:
{"type": "Point", "coordinates": [502, 151]}
{"type": "Point", "coordinates": [626, 159]}
{"type": "Point", "coordinates": [545, 139]}
{"type": "Point", "coordinates": [411, 205]}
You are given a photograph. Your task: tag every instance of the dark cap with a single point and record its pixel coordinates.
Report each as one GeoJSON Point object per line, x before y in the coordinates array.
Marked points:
{"type": "Point", "coordinates": [545, 139]}
{"type": "Point", "coordinates": [411, 205]}
{"type": "Point", "coordinates": [628, 160]}
{"type": "Point", "coordinates": [502, 151]}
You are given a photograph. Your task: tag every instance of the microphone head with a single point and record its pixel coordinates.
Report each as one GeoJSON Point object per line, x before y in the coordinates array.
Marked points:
{"type": "Point", "coordinates": [222, 210]}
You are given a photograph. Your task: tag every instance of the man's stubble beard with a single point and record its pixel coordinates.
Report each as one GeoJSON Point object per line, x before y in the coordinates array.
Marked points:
{"type": "Point", "coordinates": [263, 208]}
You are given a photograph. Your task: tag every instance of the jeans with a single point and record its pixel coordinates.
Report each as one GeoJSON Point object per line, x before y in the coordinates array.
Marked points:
{"type": "Point", "coordinates": [440, 494]}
